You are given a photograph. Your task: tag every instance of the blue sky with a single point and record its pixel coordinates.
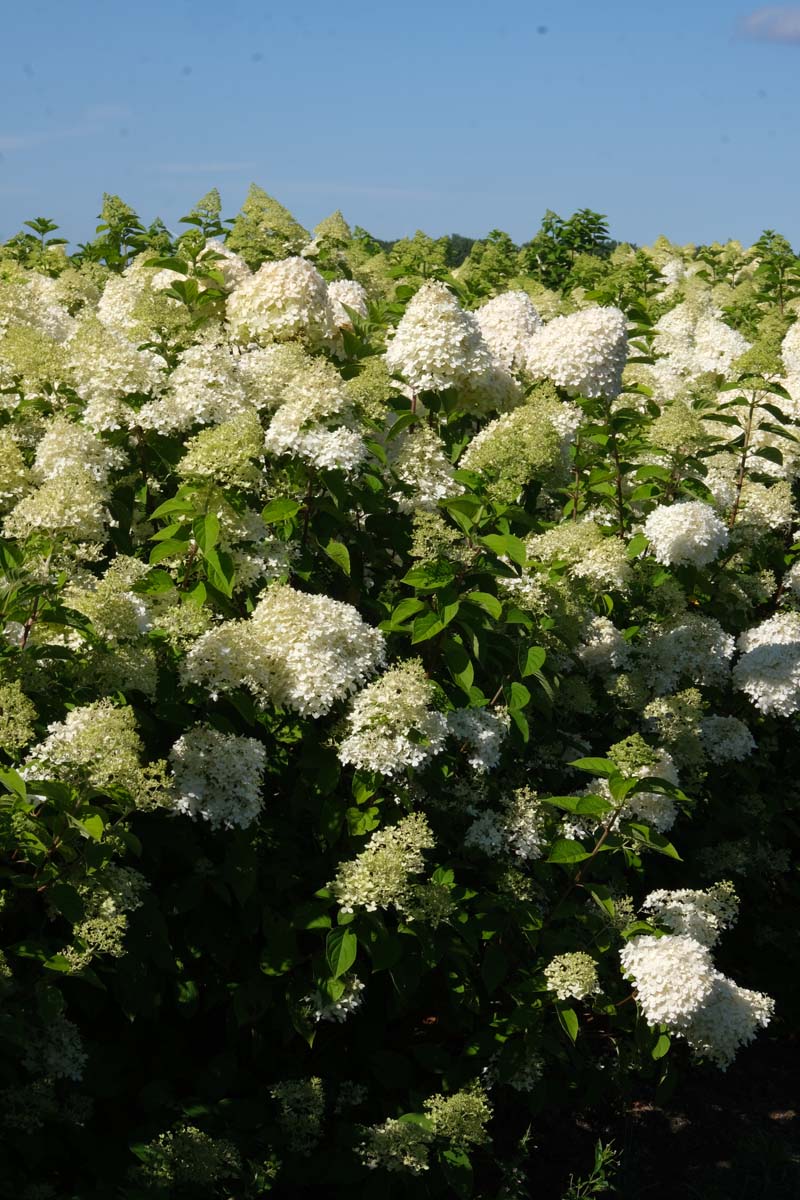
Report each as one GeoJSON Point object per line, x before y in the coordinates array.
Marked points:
{"type": "Point", "coordinates": [678, 118]}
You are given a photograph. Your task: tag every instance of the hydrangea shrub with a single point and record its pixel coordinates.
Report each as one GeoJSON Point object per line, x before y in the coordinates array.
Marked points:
{"type": "Point", "coordinates": [398, 698]}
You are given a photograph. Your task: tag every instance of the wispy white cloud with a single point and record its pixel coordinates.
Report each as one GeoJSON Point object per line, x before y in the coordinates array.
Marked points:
{"type": "Point", "coordinates": [774, 23]}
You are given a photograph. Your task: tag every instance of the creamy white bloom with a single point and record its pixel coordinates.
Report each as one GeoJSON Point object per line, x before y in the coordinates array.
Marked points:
{"type": "Point", "coordinates": [483, 731]}
{"type": "Point", "coordinates": [677, 986]}
{"type": "Point", "coordinates": [673, 977]}
{"type": "Point", "coordinates": [701, 915]}
{"type": "Point", "coordinates": [105, 368]}
{"type": "Point", "coordinates": [583, 353]}
{"type": "Point", "coordinates": [315, 421]}
{"type": "Point", "coordinates": [417, 459]}
{"type": "Point", "coordinates": [436, 344]}
{"type": "Point", "coordinates": [218, 777]}
{"type": "Point", "coordinates": [349, 293]}
{"type": "Point", "coordinates": [602, 648]}
{"type": "Point", "coordinates": [518, 830]}
{"type": "Point", "coordinates": [726, 739]}
{"type": "Point", "coordinates": [693, 647]}
{"type": "Point", "coordinates": [686, 532]}
{"type": "Point", "coordinates": [380, 876]}
{"type": "Point", "coordinates": [65, 445]}
{"type": "Point", "coordinates": [769, 667]}
{"type": "Point", "coordinates": [572, 976]}
{"type": "Point", "coordinates": [266, 371]}
{"type": "Point", "coordinates": [507, 323]}
{"type": "Point", "coordinates": [729, 1018]}
{"type": "Point", "coordinates": [203, 389]}
{"type": "Point", "coordinates": [392, 725]}
{"type": "Point", "coordinates": [790, 349]}
{"type": "Point", "coordinates": [296, 650]}
{"type": "Point", "coordinates": [282, 301]}
{"type": "Point", "coordinates": [691, 340]}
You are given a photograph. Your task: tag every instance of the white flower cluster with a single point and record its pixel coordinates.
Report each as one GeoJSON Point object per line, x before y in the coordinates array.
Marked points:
{"type": "Point", "coordinates": [417, 459]}
{"type": "Point", "coordinates": [701, 915]}
{"type": "Point", "coordinates": [677, 986]}
{"type": "Point", "coordinates": [314, 421]}
{"type": "Point", "coordinates": [583, 353]}
{"type": "Point", "coordinates": [483, 732]}
{"type": "Point", "coordinates": [344, 294]}
{"type": "Point", "coordinates": [694, 647]}
{"type": "Point", "coordinates": [58, 1053]}
{"type": "Point", "coordinates": [203, 389]}
{"type": "Point", "coordinates": [395, 1146]}
{"type": "Point", "coordinates": [117, 613]}
{"type": "Point", "coordinates": [296, 650]}
{"type": "Point", "coordinates": [70, 506]}
{"type": "Point", "coordinates": [105, 368]}
{"type": "Point", "coordinates": [282, 301]}
{"type": "Point", "coordinates": [436, 344]}
{"type": "Point", "coordinates": [769, 667]}
{"type": "Point", "coordinates": [518, 830]}
{"type": "Point", "coordinates": [218, 776]}
{"type": "Point", "coordinates": [351, 999]}
{"type": "Point", "coordinates": [726, 739]}
{"type": "Point", "coordinates": [392, 725]}
{"type": "Point", "coordinates": [508, 322]}
{"type": "Point", "coordinates": [97, 743]}
{"type": "Point", "coordinates": [690, 341]}
{"type": "Point", "coordinates": [587, 552]}
{"type": "Point", "coordinates": [602, 648]}
{"type": "Point", "coordinates": [66, 446]}
{"type": "Point", "coordinates": [302, 1112]}
{"type": "Point", "coordinates": [686, 532]}
{"type": "Point", "coordinates": [379, 876]}
{"type": "Point", "coordinates": [673, 975]}
{"type": "Point", "coordinates": [572, 975]}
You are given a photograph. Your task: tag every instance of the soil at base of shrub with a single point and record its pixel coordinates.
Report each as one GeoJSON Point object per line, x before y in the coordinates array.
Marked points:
{"type": "Point", "coordinates": [731, 1135]}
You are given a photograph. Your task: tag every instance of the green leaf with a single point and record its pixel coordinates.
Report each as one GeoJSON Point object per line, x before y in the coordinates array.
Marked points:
{"type": "Point", "coordinates": [457, 1170]}
{"type": "Point", "coordinates": [568, 1020]}
{"type": "Point", "coordinates": [648, 837]}
{"type": "Point", "coordinates": [519, 696]}
{"type": "Point", "coordinates": [13, 782]}
{"type": "Point", "coordinates": [564, 850]}
{"type": "Point", "coordinates": [534, 660]}
{"type": "Point", "coordinates": [339, 554]}
{"type": "Point", "coordinates": [596, 766]}
{"type": "Point", "coordinates": [341, 948]}
{"type": "Point", "coordinates": [584, 806]}
{"type": "Point", "coordinates": [636, 545]}
{"type": "Point", "coordinates": [431, 577]}
{"type": "Point", "coordinates": [485, 600]}
{"type": "Point", "coordinates": [281, 509]}
{"type": "Point", "coordinates": [167, 550]}
{"type": "Point", "coordinates": [206, 532]}
{"type": "Point", "coordinates": [169, 264]}
{"type": "Point", "coordinates": [661, 1047]}
{"type": "Point", "coordinates": [405, 609]}
{"type": "Point", "coordinates": [459, 664]}
{"type": "Point", "coordinates": [505, 545]}
{"type": "Point", "coordinates": [426, 627]}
